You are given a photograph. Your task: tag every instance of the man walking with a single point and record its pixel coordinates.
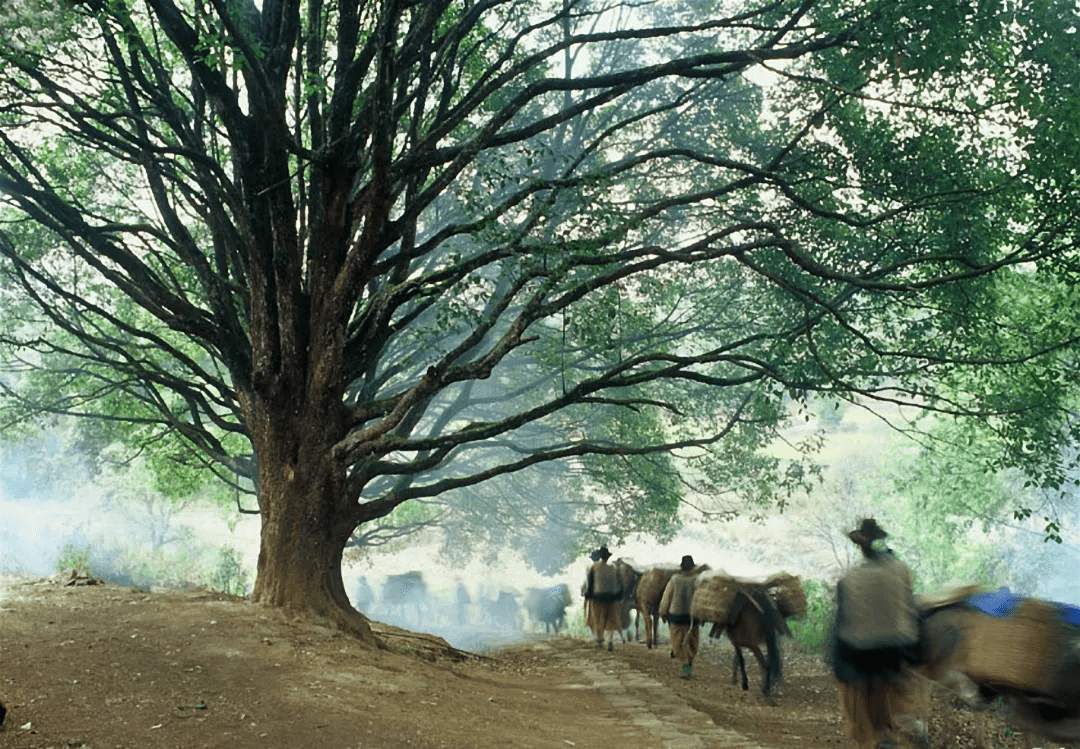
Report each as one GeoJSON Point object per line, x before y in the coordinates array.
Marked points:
{"type": "Point", "coordinates": [603, 590]}
{"type": "Point", "coordinates": [876, 638]}
{"type": "Point", "coordinates": [675, 610]}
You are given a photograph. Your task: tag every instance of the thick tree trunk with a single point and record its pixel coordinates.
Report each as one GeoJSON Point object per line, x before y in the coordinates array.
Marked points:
{"type": "Point", "coordinates": [300, 555]}
{"type": "Point", "coordinates": [295, 414]}
{"type": "Point", "coordinates": [304, 525]}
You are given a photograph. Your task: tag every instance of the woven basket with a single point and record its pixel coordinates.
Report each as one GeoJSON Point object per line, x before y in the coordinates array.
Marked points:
{"type": "Point", "coordinates": [1019, 651]}
{"type": "Point", "coordinates": [787, 593]}
{"type": "Point", "coordinates": [713, 596]}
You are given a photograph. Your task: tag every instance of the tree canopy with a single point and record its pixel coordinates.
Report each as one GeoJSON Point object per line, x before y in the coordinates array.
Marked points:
{"type": "Point", "coordinates": [364, 252]}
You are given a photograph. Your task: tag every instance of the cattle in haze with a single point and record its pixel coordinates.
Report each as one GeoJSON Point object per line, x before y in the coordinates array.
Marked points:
{"type": "Point", "coordinates": [405, 599]}
{"type": "Point", "coordinates": [462, 602]}
{"type": "Point", "coordinates": [548, 606]}
{"type": "Point", "coordinates": [502, 612]}
{"type": "Point", "coordinates": [364, 597]}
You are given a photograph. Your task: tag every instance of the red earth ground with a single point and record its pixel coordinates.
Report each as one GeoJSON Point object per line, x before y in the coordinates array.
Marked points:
{"type": "Point", "coordinates": [109, 667]}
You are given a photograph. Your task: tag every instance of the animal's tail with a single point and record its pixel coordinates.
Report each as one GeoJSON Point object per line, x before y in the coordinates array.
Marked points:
{"type": "Point", "coordinates": [774, 625]}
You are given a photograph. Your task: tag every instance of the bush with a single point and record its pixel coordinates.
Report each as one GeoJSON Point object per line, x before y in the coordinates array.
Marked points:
{"type": "Point", "coordinates": [811, 630]}
{"type": "Point", "coordinates": [74, 556]}
{"type": "Point", "coordinates": [229, 575]}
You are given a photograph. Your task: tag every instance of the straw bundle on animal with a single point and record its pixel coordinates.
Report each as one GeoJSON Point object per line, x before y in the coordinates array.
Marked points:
{"type": "Point", "coordinates": [650, 587]}
{"type": "Point", "coordinates": [927, 602]}
{"type": "Point", "coordinates": [647, 595]}
{"type": "Point", "coordinates": [713, 596]}
{"type": "Point", "coordinates": [787, 593]}
{"type": "Point", "coordinates": [1018, 651]}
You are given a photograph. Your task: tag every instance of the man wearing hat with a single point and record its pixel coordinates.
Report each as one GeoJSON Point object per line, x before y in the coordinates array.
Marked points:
{"type": "Point", "coordinates": [603, 590]}
{"type": "Point", "coordinates": [876, 637]}
{"type": "Point", "coordinates": [675, 607]}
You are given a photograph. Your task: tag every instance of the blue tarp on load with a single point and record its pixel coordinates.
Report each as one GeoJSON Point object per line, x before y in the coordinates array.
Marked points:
{"type": "Point", "coordinates": [1002, 602]}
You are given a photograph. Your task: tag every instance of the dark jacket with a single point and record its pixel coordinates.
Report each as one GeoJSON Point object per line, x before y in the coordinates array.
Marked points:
{"type": "Point", "coordinates": [602, 583]}
{"type": "Point", "coordinates": [678, 596]}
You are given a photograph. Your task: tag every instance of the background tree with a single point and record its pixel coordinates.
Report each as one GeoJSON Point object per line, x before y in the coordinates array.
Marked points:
{"type": "Point", "coordinates": [404, 248]}
{"type": "Point", "coordinates": [968, 514]}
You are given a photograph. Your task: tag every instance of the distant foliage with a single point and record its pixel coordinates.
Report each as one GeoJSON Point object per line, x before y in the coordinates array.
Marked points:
{"type": "Point", "coordinates": [829, 411]}
{"type": "Point", "coordinates": [127, 565]}
{"type": "Point", "coordinates": [811, 630]}
{"type": "Point", "coordinates": [229, 576]}
{"type": "Point", "coordinates": [74, 556]}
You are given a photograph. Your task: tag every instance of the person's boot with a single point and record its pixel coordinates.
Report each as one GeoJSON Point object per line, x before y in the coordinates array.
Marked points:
{"type": "Point", "coordinates": [611, 645]}
{"type": "Point", "coordinates": [686, 671]}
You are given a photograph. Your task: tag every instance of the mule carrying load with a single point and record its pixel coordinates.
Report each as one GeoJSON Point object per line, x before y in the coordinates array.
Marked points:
{"type": "Point", "coordinates": [1019, 643]}
{"type": "Point", "coordinates": [649, 591]}
{"type": "Point", "coordinates": [715, 597]}
{"type": "Point", "coordinates": [752, 613]}
{"type": "Point", "coordinates": [1024, 649]}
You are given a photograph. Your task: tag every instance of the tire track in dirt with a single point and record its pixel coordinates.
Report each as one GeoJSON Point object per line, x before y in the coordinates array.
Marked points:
{"type": "Point", "coordinates": [648, 704]}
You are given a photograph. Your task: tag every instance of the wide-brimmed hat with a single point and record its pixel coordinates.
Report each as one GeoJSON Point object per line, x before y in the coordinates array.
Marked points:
{"type": "Point", "coordinates": [687, 563]}
{"type": "Point", "coordinates": [867, 532]}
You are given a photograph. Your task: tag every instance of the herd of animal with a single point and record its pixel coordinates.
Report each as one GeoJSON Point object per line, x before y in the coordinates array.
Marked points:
{"type": "Point", "coordinates": [1029, 659]}
{"type": "Point", "coordinates": [406, 600]}
{"type": "Point", "coordinates": [751, 614]}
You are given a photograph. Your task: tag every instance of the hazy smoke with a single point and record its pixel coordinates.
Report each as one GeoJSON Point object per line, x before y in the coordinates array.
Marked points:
{"type": "Point", "coordinates": [31, 537]}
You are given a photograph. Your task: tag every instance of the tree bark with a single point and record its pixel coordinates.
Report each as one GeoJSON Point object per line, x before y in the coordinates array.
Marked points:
{"type": "Point", "coordinates": [300, 552]}
{"type": "Point", "coordinates": [305, 523]}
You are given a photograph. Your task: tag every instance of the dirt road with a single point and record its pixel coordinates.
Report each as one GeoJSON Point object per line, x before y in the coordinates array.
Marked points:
{"type": "Point", "coordinates": [107, 667]}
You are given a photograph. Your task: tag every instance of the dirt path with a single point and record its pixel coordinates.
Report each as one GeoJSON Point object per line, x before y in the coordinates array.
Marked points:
{"type": "Point", "coordinates": [641, 699]}
{"type": "Point", "coordinates": [109, 668]}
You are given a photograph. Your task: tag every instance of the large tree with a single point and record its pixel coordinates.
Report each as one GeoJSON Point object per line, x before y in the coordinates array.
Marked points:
{"type": "Point", "coordinates": [402, 248]}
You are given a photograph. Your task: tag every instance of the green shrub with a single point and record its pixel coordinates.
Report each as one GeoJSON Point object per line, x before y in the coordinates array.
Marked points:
{"type": "Point", "coordinates": [74, 556]}
{"type": "Point", "coordinates": [811, 630]}
{"type": "Point", "coordinates": [229, 575]}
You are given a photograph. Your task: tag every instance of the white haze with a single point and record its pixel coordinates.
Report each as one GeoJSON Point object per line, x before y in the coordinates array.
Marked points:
{"type": "Point", "coordinates": [34, 531]}
{"type": "Point", "coordinates": [28, 537]}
